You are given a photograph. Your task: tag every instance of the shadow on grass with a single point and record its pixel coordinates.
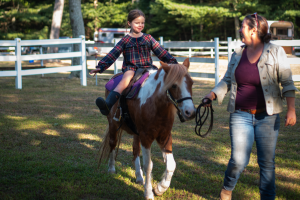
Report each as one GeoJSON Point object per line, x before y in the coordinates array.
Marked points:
{"type": "Point", "coordinates": [39, 166]}
{"type": "Point", "coordinates": [51, 131]}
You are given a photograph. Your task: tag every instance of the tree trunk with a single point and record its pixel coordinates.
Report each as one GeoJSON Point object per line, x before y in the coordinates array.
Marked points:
{"type": "Point", "coordinates": [201, 24]}
{"type": "Point", "coordinates": [225, 18]}
{"type": "Point", "coordinates": [56, 22]}
{"type": "Point", "coordinates": [77, 26]}
{"type": "Point", "coordinates": [236, 21]}
{"type": "Point", "coordinates": [237, 28]}
{"type": "Point", "coordinates": [96, 20]}
{"type": "Point", "coordinates": [192, 33]}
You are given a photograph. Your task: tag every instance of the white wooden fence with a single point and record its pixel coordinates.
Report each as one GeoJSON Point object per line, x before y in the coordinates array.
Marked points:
{"type": "Point", "coordinates": [214, 47]}
{"type": "Point", "coordinates": [223, 45]}
{"type": "Point", "coordinates": [187, 45]}
{"type": "Point", "coordinates": [202, 50]}
{"type": "Point", "coordinates": [18, 58]}
{"type": "Point", "coordinates": [292, 60]}
{"type": "Point", "coordinates": [211, 44]}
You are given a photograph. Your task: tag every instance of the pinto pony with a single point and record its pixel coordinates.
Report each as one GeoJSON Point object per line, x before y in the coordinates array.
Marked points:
{"type": "Point", "coordinates": [153, 112]}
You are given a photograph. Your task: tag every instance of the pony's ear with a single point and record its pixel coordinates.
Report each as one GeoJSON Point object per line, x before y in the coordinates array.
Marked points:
{"type": "Point", "coordinates": [165, 66]}
{"type": "Point", "coordinates": [186, 63]}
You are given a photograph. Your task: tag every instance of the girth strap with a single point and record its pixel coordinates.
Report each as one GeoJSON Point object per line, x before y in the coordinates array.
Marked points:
{"type": "Point", "coordinates": [123, 100]}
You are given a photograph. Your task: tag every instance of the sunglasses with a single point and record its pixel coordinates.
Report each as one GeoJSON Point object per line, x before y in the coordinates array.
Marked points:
{"type": "Point", "coordinates": [255, 15]}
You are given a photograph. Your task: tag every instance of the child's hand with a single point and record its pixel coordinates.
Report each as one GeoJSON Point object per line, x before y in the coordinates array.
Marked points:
{"type": "Point", "coordinates": [94, 71]}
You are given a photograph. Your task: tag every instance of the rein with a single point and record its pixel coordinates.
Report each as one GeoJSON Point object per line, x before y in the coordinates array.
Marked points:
{"type": "Point", "coordinates": [176, 102]}
{"type": "Point", "coordinates": [198, 118]}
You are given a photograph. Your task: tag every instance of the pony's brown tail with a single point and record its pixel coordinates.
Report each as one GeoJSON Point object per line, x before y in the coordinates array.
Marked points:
{"type": "Point", "coordinates": [105, 148]}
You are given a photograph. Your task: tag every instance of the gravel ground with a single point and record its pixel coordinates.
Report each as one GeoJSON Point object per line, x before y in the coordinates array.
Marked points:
{"type": "Point", "coordinates": [202, 67]}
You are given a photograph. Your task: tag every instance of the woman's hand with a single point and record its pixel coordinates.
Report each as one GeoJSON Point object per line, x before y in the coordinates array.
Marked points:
{"type": "Point", "coordinates": [94, 71]}
{"type": "Point", "coordinates": [210, 96]}
{"type": "Point", "coordinates": [290, 118]}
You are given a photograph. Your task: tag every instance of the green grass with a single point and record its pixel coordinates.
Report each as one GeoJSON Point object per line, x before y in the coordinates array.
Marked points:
{"type": "Point", "coordinates": [50, 132]}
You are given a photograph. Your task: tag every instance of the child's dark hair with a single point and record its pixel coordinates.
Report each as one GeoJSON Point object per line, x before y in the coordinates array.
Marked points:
{"type": "Point", "coordinates": [133, 14]}
{"type": "Point", "coordinates": [262, 27]}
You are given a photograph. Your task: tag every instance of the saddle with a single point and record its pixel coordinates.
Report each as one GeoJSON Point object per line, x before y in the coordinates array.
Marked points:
{"type": "Point", "coordinates": [130, 92]}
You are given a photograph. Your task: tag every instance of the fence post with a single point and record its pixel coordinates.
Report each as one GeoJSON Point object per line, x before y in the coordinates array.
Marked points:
{"type": "Point", "coordinates": [211, 52]}
{"type": "Point", "coordinates": [190, 52]}
{"type": "Point", "coordinates": [216, 60]}
{"type": "Point", "coordinates": [229, 51]}
{"type": "Point", "coordinates": [83, 61]}
{"type": "Point", "coordinates": [41, 52]}
{"type": "Point", "coordinates": [42, 61]}
{"type": "Point", "coordinates": [161, 41]}
{"type": "Point", "coordinates": [18, 64]}
{"type": "Point", "coordinates": [115, 63]}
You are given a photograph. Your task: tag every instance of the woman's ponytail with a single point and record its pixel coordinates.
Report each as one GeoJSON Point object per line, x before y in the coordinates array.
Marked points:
{"type": "Point", "coordinates": [267, 37]}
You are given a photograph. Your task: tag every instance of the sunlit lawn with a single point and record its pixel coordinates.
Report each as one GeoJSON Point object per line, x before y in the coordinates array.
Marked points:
{"type": "Point", "coordinates": [50, 132]}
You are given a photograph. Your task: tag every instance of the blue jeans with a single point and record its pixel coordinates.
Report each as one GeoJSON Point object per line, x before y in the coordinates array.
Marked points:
{"type": "Point", "coordinates": [245, 128]}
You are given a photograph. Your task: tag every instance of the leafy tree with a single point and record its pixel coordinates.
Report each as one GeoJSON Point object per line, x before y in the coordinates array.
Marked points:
{"type": "Point", "coordinates": [25, 19]}
{"type": "Point", "coordinates": [173, 19]}
{"type": "Point", "coordinates": [106, 14]}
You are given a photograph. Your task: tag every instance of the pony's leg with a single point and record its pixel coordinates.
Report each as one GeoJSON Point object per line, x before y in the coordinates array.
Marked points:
{"type": "Point", "coordinates": [164, 184]}
{"type": "Point", "coordinates": [138, 171]}
{"type": "Point", "coordinates": [113, 140]}
{"type": "Point", "coordinates": [166, 147]}
{"type": "Point", "coordinates": [136, 158]}
{"type": "Point", "coordinates": [148, 165]}
{"type": "Point", "coordinates": [111, 163]}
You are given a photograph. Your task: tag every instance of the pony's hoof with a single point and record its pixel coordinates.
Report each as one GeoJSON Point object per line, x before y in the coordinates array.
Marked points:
{"type": "Point", "coordinates": [149, 197]}
{"type": "Point", "coordinates": [159, 190]}
{"type": "Point", "coordinates": [148, 194]}
{"type": "Point", "coordinates": [111, 171]}
{"type": "Point", "coordinates": [140, 181]}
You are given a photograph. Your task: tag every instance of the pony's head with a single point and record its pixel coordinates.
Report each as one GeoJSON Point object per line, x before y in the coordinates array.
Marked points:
{"type": "Point", "coordinates": [178, 83]}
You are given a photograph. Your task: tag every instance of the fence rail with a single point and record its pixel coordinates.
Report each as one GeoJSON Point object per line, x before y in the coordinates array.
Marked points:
{"type": "Point", "coordinates": [214, 48]}
{"type": "Point", "coordinates": [18, 58]}
{"type": "Point", "coordinates": [211, 44]}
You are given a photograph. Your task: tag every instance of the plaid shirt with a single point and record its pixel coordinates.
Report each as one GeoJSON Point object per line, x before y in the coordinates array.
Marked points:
{"type": "Point", "coordinates": [136, 52]}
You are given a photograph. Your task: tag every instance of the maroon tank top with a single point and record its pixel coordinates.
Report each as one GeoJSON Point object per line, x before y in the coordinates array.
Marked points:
{"type": "Point", "coordinates": [249, 91]}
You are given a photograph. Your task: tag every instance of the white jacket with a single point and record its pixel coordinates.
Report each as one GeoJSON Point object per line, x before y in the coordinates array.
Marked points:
{"type": "Point", "coordinates": [273, 69]}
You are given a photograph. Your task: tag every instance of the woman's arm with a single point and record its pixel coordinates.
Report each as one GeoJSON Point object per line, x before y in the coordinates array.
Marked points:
{"type": "Point", "coordinates": [290, 118]}
{"type": "Point", "coordinates": [284, 72]}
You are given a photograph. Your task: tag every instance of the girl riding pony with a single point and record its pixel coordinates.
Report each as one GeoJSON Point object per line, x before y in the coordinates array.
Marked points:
{"type": "Point", "coordinates": [136, 48]}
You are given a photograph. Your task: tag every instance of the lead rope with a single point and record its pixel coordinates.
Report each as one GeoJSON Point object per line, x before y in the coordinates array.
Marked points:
{"type": "Point", "coordinates": [199, 116]}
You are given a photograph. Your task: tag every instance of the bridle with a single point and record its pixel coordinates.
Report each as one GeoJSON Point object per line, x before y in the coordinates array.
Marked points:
{"type": "Point", "coordinates": [176, 102]}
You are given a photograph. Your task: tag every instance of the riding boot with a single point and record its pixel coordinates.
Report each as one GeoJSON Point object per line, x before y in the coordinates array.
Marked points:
{"type": "Point", "coordinates": [105, 105]}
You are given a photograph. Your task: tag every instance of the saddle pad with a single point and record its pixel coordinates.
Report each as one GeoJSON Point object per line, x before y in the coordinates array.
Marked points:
{"type": "Point", "coordinates": [112, 84]}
